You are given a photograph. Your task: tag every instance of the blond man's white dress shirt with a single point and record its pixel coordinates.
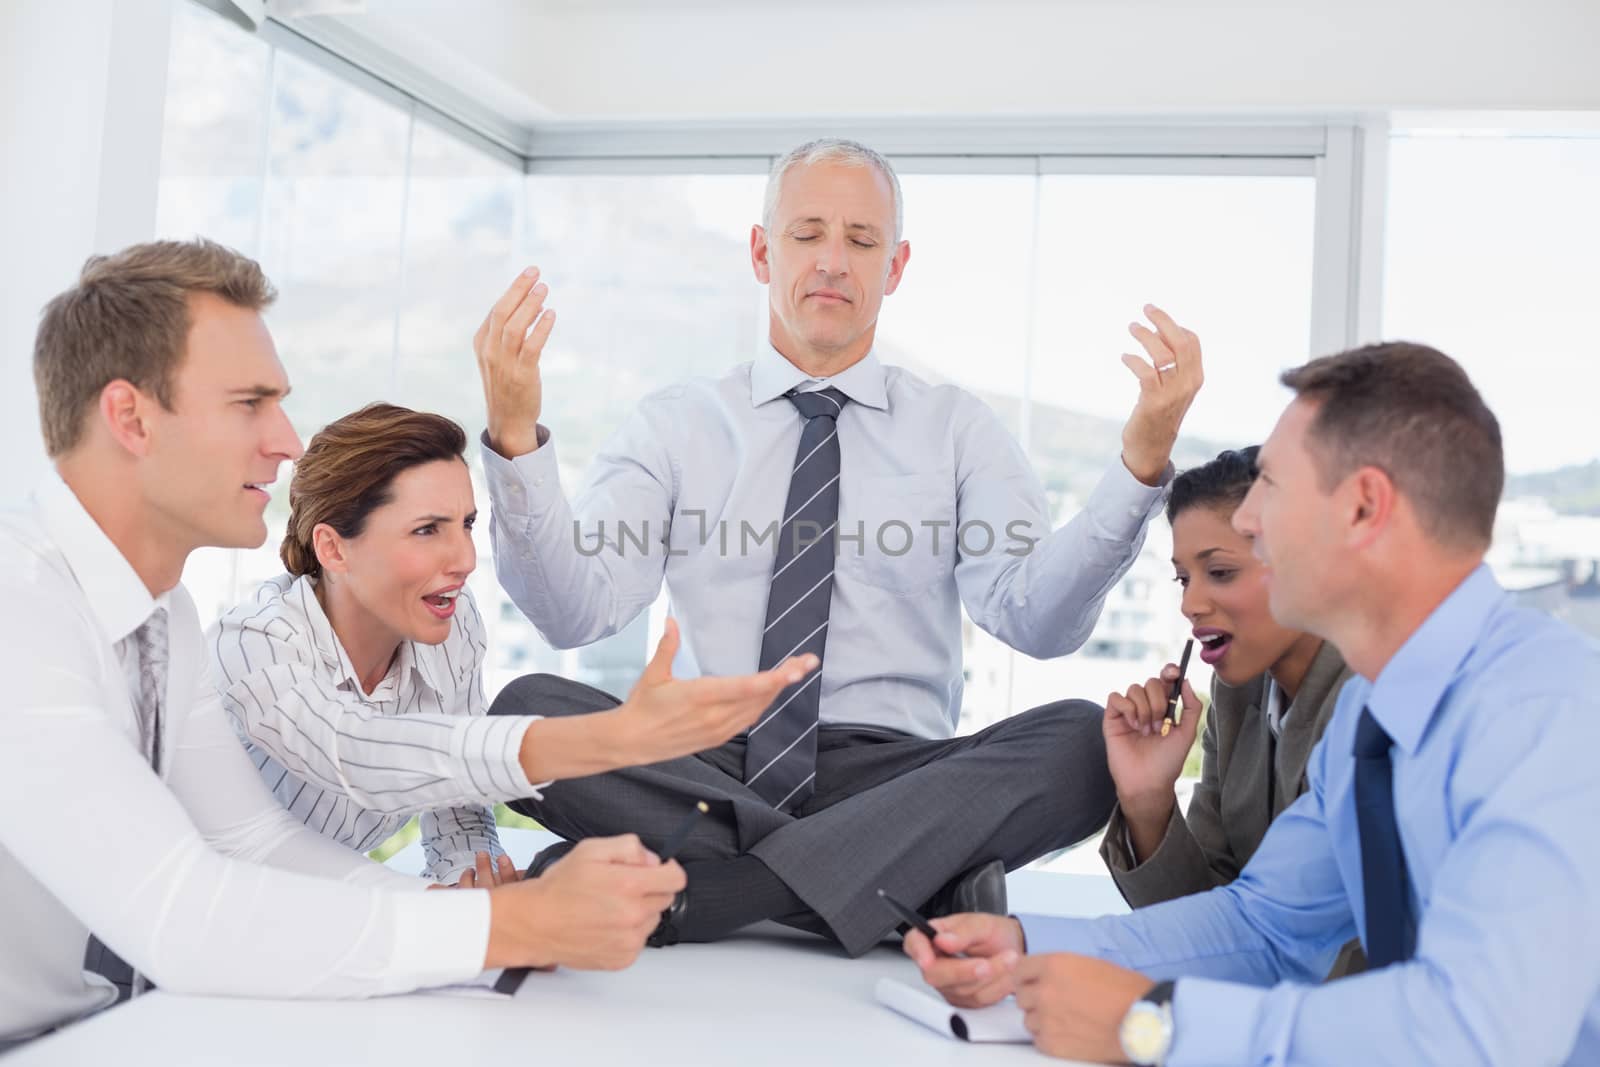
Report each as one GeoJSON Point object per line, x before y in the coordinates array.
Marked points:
{"type": "Point", "coordinates": [196, 875]}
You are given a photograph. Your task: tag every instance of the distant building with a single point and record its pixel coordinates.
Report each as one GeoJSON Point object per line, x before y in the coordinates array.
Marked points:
{"type": "Point", "coordinates": [1549, 561]}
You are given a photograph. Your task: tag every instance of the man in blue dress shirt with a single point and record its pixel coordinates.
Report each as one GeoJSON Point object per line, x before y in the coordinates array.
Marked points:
{"type": "Point", "coordinates": [1450, 815]}
{"type": "Point", "coordinates": [818, 500]}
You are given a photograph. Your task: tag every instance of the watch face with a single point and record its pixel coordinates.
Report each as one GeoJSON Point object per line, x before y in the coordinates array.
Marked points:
{"type": "Point", "coordinates": [1145, 1033]}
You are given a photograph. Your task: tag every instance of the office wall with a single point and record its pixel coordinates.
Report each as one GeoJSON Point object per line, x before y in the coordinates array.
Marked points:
{"type": "Point", "coordinates": [82, 87]}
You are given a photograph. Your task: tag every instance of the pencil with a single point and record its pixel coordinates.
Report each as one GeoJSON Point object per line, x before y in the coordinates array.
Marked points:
{"type": "Point", "coordinates": [1177, 690]}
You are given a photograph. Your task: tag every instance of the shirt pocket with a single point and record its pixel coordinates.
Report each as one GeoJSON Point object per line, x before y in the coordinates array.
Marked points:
{"type": "Point", "coordinates": [897, 531]}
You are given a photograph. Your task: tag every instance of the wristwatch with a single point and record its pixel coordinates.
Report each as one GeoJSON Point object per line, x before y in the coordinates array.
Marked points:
{"type": "Point", "coordinates": [1146, 1032]}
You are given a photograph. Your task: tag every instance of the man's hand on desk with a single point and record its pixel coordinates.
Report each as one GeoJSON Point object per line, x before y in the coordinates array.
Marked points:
{"type": "Point", "coordinates": [590, 910]}
{"type": "Point", "coordinates": [1167, 386]}
{"type": "Point", "coordinates": [1074, 1005]}
{"type": "Point", "coordinates": [508, 346]}
{"type": "Point", "coordinates": [994, 946]}
{"type": "Point", "coordinates": [663, 718]}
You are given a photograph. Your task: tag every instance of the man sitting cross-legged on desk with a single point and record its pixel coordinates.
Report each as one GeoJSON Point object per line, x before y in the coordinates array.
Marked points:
{"type": "Point", "coordinates": [1449, 813]}
{"type": "Point", "coordinates": [128, 808]}
{"type": "Point", "coordinates": [818, 501]}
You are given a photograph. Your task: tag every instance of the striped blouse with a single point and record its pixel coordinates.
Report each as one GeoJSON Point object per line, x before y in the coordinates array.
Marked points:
{"type": "Point", "coordinates": [356, 766]}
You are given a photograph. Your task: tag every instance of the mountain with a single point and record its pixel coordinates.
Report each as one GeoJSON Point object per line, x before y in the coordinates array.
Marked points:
{"type": "Point", "coordinates": [1571, 490]}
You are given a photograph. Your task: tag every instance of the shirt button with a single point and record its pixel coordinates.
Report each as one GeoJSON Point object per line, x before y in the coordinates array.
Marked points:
{"type": "Point", "coordinates": [538, 481]}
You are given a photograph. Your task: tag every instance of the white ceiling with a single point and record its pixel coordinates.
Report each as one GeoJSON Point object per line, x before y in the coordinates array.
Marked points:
{"type": "Point", "coordinates": [542, 61]}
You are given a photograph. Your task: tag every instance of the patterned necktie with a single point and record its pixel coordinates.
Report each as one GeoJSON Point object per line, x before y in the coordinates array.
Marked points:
{"type": "Point", "coordinates": [780, 761]}
{"type": "Point", "coordinates": [151, 641]}
{"type": "Point", "coordinates": [150, 644]}
{"type": "Point", "coordinates": [1385, 884]}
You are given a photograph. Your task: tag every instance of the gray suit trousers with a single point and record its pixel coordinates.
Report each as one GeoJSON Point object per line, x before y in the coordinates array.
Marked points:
{"type": "Point", "coordinates": [890, 811]}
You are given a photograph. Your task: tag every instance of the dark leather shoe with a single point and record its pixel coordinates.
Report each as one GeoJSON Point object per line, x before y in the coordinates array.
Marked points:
{"type": "Point", "coordinates": [666, 931]}
{"type": "Point", "coordinates": [981, 889]}
{"type": "Point", "coordinates": [546, 857]}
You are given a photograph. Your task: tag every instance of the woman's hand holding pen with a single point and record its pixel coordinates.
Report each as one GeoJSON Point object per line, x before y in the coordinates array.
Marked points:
{"type": "Point", "coordinates": [1144, 764]}
{"type": "Point", "coordinates": [991, 946]}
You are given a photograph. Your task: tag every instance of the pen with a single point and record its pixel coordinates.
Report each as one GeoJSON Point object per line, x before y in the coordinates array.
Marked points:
{"type": "Point", "coordinates": [681, 834]}
{"type": "Point", "coordinates": [907, 915]}
{"type": "Point", "coordinates": [511, 978]}
{"type": "Point", "coordinates": [1177, 690]}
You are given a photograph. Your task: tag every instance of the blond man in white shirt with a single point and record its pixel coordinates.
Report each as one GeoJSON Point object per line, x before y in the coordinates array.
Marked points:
{"type": "Point", "coordinates": [160, 400]}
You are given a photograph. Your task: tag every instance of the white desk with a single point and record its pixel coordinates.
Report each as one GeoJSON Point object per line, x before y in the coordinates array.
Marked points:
{"type": "Point", "coordinates": [770, 996]}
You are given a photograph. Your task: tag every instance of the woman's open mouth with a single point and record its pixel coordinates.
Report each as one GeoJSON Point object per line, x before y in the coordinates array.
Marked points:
{"type": "Point", "coordinates": [1214, 644]}
{"type": "Point", "coordinates": [442, 603]}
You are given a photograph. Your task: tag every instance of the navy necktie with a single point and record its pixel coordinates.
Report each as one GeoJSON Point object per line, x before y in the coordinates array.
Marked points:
{"type": "Point", "coordinates": [1385, 885]}
{"type": "Point", "coordinates": [780, 761]}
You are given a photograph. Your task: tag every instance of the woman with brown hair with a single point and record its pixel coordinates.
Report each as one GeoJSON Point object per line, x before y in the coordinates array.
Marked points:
{"type": "Point", "coordinates": [355, 678]}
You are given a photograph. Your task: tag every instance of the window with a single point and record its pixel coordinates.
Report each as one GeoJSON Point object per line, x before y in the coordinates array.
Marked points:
{"type": "Point", "coordinates": [651, 278]}
{"type": "Point", "coordinates": [1227, 256]}
{"type": "Point", "coordinates": [1490, 243]}
{"type": "Point", "coordinates": [389, 236]}
{"type": "Point", "coordinates": [214, 132]}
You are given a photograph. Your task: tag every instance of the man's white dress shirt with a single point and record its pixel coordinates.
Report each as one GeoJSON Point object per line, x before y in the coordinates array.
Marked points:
{"type": "Point", "coordinates": [938, 508]}
{"type": "Point", "coordinates": [197, 877]}
{"type": "Point", "coordinates": [352, 765]}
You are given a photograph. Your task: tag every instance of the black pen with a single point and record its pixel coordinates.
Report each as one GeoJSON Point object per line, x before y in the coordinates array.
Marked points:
{"type": "Point", "coordinates": [1177, 690]}
{"type": "Point", "coordinates": [681, 834]}
{"type": "Point", "coordinates": [511, 978]}
{"type": "Point", "coordinates": [923, 925]}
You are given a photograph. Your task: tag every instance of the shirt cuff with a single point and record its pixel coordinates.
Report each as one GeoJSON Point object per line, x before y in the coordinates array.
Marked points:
{"type": "Point", "coordinates": [447, 871]}
{"type": "Point", "coordinates": [518, 486]}
{"type": "Point", "coordinates": [440, 938]}
{"type": "Point", "coordinates": [1122, 503]}
{"type": "Point", "coordinates": [1116, 846]}
{"type": "Point", "coordinates": [1176, 868]}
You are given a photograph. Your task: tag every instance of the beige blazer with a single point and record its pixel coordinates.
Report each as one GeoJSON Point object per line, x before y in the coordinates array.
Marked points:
{"type": "Point", "coordinates": [1246, 780]}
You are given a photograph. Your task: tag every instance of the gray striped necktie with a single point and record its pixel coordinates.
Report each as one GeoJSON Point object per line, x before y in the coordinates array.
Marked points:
{"type": "Point", "coordinates": [151, 641]}
{"type": "Point", "coordinates": [780, 761]}
{"type": "Point", "coordinates": [150, 645]}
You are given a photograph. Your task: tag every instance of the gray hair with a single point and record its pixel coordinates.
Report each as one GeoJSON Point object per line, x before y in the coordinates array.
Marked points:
{"type": "Point", "coordinates": [831, 150]}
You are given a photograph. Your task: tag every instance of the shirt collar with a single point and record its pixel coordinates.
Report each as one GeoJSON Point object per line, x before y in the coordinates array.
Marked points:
{"type": "Point", "coordinates": [332, 649]}
{"type": "Point", "coordinates": [772, 375]}
{"type": "Point", "coordinates": [116, 594]}
{"type": "Point", "coordinates": [1408, 690]}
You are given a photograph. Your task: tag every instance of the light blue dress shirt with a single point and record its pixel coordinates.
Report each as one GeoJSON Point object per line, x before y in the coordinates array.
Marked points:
{"type": "Point", "coordinates": [938, 507]}
{"type": "Point", "coordinates": [1495, 715]}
